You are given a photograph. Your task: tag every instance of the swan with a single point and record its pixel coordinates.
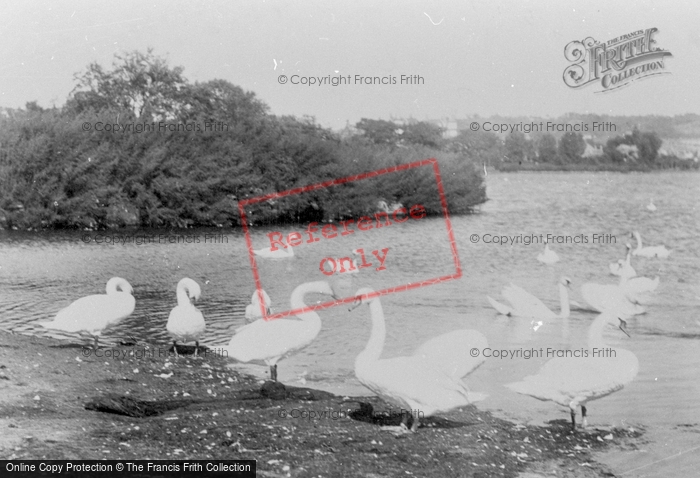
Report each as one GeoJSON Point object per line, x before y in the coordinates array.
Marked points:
{"type": "Point", "coordinates": [186, 322]}
{"type": "Point", "coordinates": [252, 311]}
{"type": "Point", "coordinates": [424, 383]}
{"type": "Point", "coordinates": [651, 205]}
{"type": "Point", "coordinates": [609, 297]}
{"type": "Point", "coordinates": [625, 265]}
{"type": "Point", "coordinates": [575, 380]}
{"type": "Point", "coordinates": [649, 251]}
{"type": "Point", "coordinates": [524, 304]}
{"type": "Point", "coordinates": [272, 340]}
{"type": "Point", "coordinates": [382, 205]}
{"type": "Point", "coordinates": [268, 253]}
{"type": "Point", "coordinates": [635, 288]}
{"type": "Point", "coordinates": [548, 256]}
{"type": "Point", "coordinates": [95, 313]}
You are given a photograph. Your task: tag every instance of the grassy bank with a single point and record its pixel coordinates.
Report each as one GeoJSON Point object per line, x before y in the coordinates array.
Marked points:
{"type": "Point", "coordinates": [51, 395]}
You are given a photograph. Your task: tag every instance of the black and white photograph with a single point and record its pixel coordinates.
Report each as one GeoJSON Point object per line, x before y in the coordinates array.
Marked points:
{"type": "Point", "coordinates": [350, 239]}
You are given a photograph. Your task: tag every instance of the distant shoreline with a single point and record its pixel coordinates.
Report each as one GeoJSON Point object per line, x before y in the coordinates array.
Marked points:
{"type": "Point", "coordinates": [623, 168]}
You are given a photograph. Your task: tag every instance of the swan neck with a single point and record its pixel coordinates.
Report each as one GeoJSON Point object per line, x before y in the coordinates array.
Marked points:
{"type": "Point", "coordinates": [564, 301]}
{"type": "Point", "coordinates": [375, 344]}
{"type": "Point", "coordinates": [182, 297]}
{"type": "Point", "coordinates": [297, 302]}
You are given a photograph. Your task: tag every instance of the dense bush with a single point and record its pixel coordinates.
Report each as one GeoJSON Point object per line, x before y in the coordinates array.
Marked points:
{"type": "Point", "coordinates": [54, 173]}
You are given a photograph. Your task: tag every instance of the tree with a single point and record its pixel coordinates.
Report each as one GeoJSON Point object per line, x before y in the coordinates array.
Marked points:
{"type": "Point", "coordinates": [571, 147]}
{"type": "Point", "coordinates": [547, 148]}
{"type": "Point", "coordinates": [648, 145]}
{"type": "Point", "coordinates": [140, 83]}
{"type": "Point", "coordinates": [379, 131]}
{"type": "Point", "coordinates": [481, 147]}
{"type": "Point", "coordinates": [422, 133]}
{"type": "Point", "coordinates": [518, 147]}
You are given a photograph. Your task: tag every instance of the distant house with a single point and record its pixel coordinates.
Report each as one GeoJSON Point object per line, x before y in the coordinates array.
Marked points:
{"type": "Point", "coordinates": [672, 153]}
{"type": "Point", "coordinates": [349, 131]}
{"type": "Point", "coordinates": [449, 127]}
{"type": "Point", "coordinates": [592, 150]}
{"type": "Point", "coordinates": [629, 152]}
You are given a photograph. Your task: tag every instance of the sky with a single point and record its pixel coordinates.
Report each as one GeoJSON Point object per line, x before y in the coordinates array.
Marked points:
{"type": "Point", "coordinates": [474, 57]}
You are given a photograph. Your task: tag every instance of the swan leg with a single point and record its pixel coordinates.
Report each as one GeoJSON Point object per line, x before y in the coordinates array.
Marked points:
{"type": "Point", "coordinates": [573, 419]}
{"type": "Point", "coordinates": [175, 348]}
{"type": "Point", "coordinates": [196, 347]}
{"type": "Point", "coordinates": [584, 422]}
{"type": "Point", "coordinates": [572, 407]}
{"type": "Point", "coordinates": [414, 427]}
{"type": "Point", "coordinates": [273, 372]}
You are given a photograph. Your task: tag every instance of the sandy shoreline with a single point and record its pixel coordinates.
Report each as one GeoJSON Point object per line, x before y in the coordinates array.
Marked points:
{"type": "Point", "coordinates": [202, 408]}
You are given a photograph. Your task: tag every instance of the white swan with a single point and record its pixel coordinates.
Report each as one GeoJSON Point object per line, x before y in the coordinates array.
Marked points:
{"type": "Point", "coordinates": [279, 253]}
{"type": "Point", "coordinates": [382, 205]}
{"type": "Point", "coordinates": [651, 205]}
{"type": "Point", "coordinates": [548, 256]}
{"type": "Point", "coordinates": [272, 340]}
{"type": "Point", "coordinates": [609, 298]}
{"type": "Point", "coordinates": [575, 380]}
{"type": "Point", "coordinates": [637, 288]}
{"type": "Point", "coordinates": [95, 313]}
{"type": "Point", "coordinates": [524, 304]}
{"type": "Point", "coordinates": [649, 251]}
{"type": "Point", "coordinates": [186, 322]}
{"type": "Point", "coordinates": [617, 268]}
{"type": "Point", "coordinates": [252, 310]}
{"type": "Point", "coordinates": [422, 384]}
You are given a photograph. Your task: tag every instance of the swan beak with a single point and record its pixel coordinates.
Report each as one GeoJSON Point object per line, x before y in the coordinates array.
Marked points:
{"type": "Point", "coordinates": [623, 327]}
{"type": "Point", "coordinates": [355, 304]}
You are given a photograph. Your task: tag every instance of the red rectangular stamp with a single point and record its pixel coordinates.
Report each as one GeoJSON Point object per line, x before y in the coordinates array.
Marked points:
{"type": "Point", "coordinates": [347, 245]}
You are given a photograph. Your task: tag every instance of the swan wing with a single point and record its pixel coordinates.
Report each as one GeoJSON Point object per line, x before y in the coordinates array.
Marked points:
{"type": "Point", "coordinates": [500, 308]}
{"type": "Point", "coordinates": [410, 381]}
{"type": "Point", "coordinates": [451, 352]}
{"type": "Point", "coordinates": [609, 298]}
{"type": "Point", "coordinates": [656, 251]}
{"type": "Point", "coordinates": [639, 290]}
{"type": "Point", "coordinates": [270, 339]}
{"type": "Point", "coordinates": [93, 313]}
{"type": "Point", "coordinates": [583, 378]}
{"type": "Point", "coordinates": [639, 285]}
{"type": "Point", "coordinates": [525, 304]}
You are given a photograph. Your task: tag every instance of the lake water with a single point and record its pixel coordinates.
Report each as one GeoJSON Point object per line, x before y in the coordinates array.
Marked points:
{"type": "Point", "coordinates": [40, 273]}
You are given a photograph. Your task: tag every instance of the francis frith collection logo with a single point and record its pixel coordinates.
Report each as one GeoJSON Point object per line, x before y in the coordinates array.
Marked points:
{"type": "Point", "coordinates": [614, 63]}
